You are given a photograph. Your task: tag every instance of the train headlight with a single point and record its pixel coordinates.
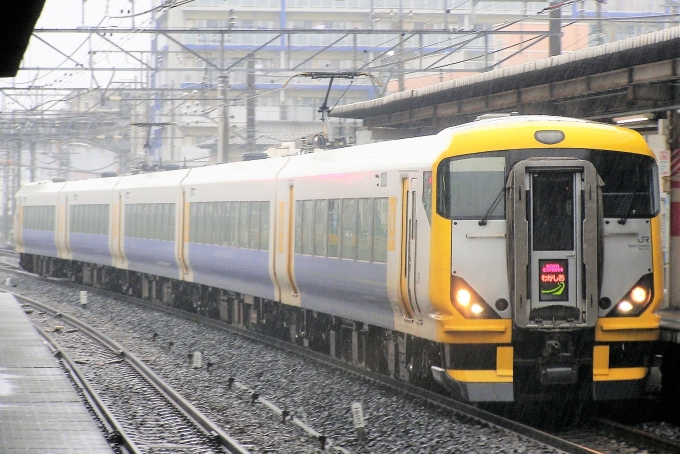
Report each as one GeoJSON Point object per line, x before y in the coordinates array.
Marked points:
{"type": "Point", "coordinates": [468, 302]}
{"type": "Point", "coordinates": [463, 297]}
{"type": "Point", "coordinates": [636, 300]}
{"type": "Point", "coordinates": [638, 295]}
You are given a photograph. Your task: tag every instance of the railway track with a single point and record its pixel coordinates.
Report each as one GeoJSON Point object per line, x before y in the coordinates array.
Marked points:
{"type": "Point", "coordinates": [608, 436]}
{"type": "Point", "coordinates": [603, 439]}
{"type": "Point", "coordinates": [143, 413]}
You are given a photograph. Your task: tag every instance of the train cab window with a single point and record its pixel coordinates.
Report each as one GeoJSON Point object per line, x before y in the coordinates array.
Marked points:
{"type": "Point", "coordinates": [254, 239]}
{"type": "Point", "coordinates": [244, 224]}
{"type": "Point", "coordinates": [380, 230]}
{"type": "Point", "coordinates": [471, 188]}
{"type": "Point", "coordinates": [320, 227]}
{"type": "Point", "coordinates": [631, 185]}
{"type": "Point", "coordinates": [334, 228]}
{"type": "Point", "coordinates": [365, 231]}
{"type": "Point", "coordinates": [308, 227]}
{"type": "Point", "coordinates": [349, 229]}
{"type": "Point", "coordinates": [264, 226]}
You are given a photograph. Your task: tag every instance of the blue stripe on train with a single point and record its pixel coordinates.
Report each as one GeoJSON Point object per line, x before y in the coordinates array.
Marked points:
{"type": "Point", "coordinates": [346, 288]}
{"type": "Point", "coordinates": [88, 247]}
{"type": "Point", "coordinates": [39, 242]}
{"type": "Point", "coordinates": [241, 270]}
{"type": "Point", "coordinates": [152, 257]}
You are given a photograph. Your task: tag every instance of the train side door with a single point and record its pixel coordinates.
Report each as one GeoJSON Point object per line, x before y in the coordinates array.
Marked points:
{"type": "Point", "coordinates": [409, 250]}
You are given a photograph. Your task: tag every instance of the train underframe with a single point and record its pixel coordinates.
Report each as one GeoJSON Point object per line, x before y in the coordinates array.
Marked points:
{"type": "Point", "coordinates": [365, 346]}
{"type": "Point", "coordinates": [542, 363]}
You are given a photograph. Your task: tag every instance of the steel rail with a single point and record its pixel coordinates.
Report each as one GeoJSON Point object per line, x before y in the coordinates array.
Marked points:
{"type": "Point", "coordinates": [639, 437]}
{"type": "Point", "coordinates": [115, 431]}
{"type": "Point", "coordinates": [183, 405]}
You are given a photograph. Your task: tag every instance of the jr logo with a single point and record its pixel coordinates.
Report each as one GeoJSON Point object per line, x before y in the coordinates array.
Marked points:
{"type": "Point", "coordinates": [643, 239]}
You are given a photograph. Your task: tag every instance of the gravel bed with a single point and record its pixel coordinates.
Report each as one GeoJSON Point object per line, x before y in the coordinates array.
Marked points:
{"type": "Point", "coordinates": [321, 396]}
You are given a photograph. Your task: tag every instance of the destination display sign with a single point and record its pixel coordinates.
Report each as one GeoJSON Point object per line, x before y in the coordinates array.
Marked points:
{"type": "Point", "coordinates": [553, 280]}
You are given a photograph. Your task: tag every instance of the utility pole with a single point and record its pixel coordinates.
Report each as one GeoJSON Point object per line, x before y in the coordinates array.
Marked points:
{"type": "Point", "coordinates": [598, 26]}
{"type": "Point", "coordinates": [250, 106]}
{"type": "Point", "coordinates": [32, 158]}
{"type": "Point", "coordinates": [400, 66]}
{"type": "Point", "coordinates": [555, 29]}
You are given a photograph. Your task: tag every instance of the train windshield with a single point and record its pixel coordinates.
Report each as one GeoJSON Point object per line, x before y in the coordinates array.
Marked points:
{"type": "Point", "coordinates": [472, 186]}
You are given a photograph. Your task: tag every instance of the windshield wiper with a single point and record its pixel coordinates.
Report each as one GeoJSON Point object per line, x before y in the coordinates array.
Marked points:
{"type": "Point", "coordinates": [629, 202]}
{"type": "Point", "coordinates": [493, 207]}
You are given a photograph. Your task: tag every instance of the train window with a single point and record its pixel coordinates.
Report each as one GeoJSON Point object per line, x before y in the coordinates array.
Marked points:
{"type": "Point", "coordinates": [157, 219]}
{"type": "Point", "coordinates": [254, 240]}
{"type": "Point", "coordinates": [264, 225]}
{"type": "Point", "coordinates": [380, 230]}
{"type": "Point", "coordinates": [349, 229]}
{"type": "Point", "coordinates": [334, 228]}
{"type": "Point", "coordinates": [87, 220]}
{"type": "Point", "coordinates": [205, 221]}
{"type": "Point", "coordinates": [427, 195]}
{"type": "Point", "coordinates": [320, 227]}
{"type": "Point", "coordinates": [234, 223]}
{"type": "Point", "coordinates": [308, 227]}
{"type": "Point", "coordinates": [365, 231]}
{"type": "Point", "coordinates": [192, 222]}
{"type": "Point", "coordinates": [226, 224]}
{"type": "Point", "coordinates": [136, 220]}
{"type": "Point", "coordinates": [200, 222]}
{"type": "Point", "coordinates": [165, 222]}
{"type": "Point", "coordinates": [171, 221]}
{"type": "Point", "coordinates": [244, 225]}
{"type": "Point", "coordinates": [216, 223]}
{"type": "Point", "coordinates": [630, 185]}
{"type": "Point", "coordinates": [205, 228]}
{"type": "Point", "coordinates": [472, 188]}
{"type": "Point", "coordinates": [298, 227]}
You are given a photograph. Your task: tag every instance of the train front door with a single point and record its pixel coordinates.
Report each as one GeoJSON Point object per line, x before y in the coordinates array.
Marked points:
{"type": "Point", "coordinates": [554, 217]}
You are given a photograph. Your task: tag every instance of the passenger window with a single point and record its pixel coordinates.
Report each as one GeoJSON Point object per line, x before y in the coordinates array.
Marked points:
{"type": "Point", "coordinates": [334, 228]}
{"type": "Point", "coordinates": [298, 226]}
{"type": "Point", "coordinates": [171, 222]}
{"type": "Point", "coordinates": [349, 228]}
{"type": "Point", "coordinates": [216, 222]}
{"type": "Point", "coordinates": [308, 227]}
{"type": "Point", "coordinates": [234, 223]}
{"type": "Point", "coordinates": [244, 224]}
{"type": "Point", "coordinates": [380, 230]}
{"type": "Point", "coordinates": [207, 222]}
{"type": "Point", "coordinates": [254, 242]}
{"type": "Point", "coordinates": [365, 232]}
{"type": "Point", "coordinates": [264, 226]}
{"type": "Point", "coordinates": [200, 222]}
{"type": "Point", "coordinates": [226, 224]}
{"type": "Point", "coordinates": [320, 227]}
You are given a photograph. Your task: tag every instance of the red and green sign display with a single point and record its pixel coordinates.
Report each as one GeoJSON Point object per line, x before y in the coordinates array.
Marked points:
{"type": "Point", "coordinates": [553, 280]}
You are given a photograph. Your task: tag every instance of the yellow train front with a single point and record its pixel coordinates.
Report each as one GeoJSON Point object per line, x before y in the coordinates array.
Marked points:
{"type": "Point", "coordinates": [546, 262]}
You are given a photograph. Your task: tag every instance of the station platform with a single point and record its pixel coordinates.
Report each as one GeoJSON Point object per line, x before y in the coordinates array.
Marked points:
{"type": "Point", "coordinates": [40, 411]}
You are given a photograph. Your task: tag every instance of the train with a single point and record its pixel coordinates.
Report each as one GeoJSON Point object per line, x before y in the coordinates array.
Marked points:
{"type": "Point", "coordinates": [500, 258]}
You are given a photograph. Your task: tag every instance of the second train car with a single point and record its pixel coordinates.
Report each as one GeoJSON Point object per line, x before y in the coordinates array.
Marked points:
{"type": "Point", "coordinates": [500, 257]}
